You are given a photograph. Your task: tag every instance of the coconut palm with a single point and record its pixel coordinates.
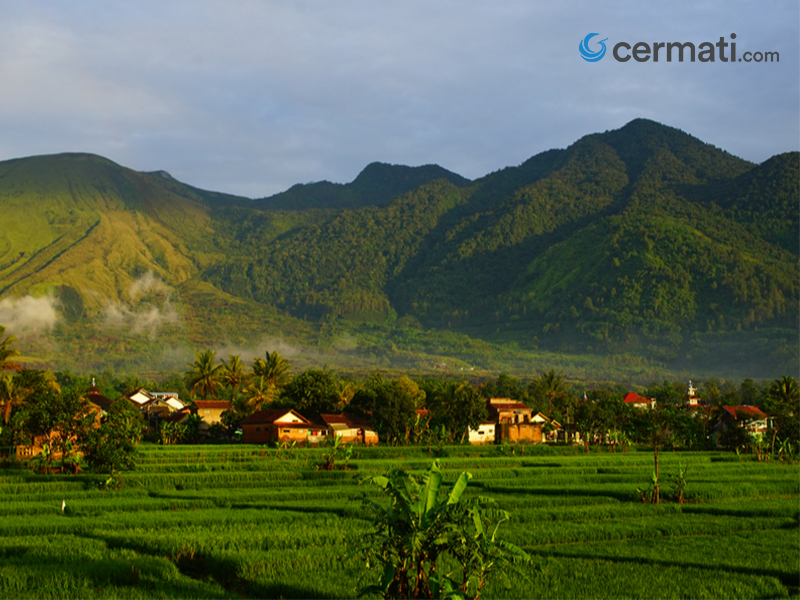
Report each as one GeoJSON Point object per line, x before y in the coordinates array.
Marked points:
{"type": "Point", "coordinates": [17, 388]}
{"type": "Point", "coordinates": [7, 353]}
{"type": "Point", "coordinates": [204, 378]}
{"type": "Point", "coordinates": [259, 392]}
{"type": "Point", "coordinates": [785, 392]}
{"type": "Point", "coordinates": [233, 372]}
{"type": "Point", "coordinates": [275, 369]}
{"type": "Point", "coordinates": [10, 394]}
{"type": "Point", "coordinates": [551, 385]}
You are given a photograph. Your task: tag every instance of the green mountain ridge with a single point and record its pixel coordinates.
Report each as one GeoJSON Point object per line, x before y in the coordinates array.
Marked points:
{"type": "Point", "coordinates": [642, 242]}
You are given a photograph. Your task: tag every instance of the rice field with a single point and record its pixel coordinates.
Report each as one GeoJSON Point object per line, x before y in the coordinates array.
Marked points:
{"type": "Point", "coordinates": [251, 522]}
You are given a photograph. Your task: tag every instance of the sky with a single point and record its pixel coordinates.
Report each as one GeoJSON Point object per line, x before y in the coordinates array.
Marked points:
{"type": "Point", "coordinates": [250, 98]}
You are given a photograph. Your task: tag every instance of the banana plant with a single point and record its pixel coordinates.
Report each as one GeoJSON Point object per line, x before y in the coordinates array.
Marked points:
{"type": "Point", "coordinates": [421, 525]}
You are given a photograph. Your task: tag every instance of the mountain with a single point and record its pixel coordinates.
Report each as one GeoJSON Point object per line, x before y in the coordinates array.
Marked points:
{"type": "Point", "coordinates": [375, 185]}
{"type": "Point", "coordinates": [639, 246]}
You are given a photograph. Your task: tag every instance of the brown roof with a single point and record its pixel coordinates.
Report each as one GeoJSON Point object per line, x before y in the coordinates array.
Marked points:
{"type": "Point", "coordinates": [209, 404]}
{"type": "Point", "coordinates": [95, 397]}
{"type": "Point", "coordinates": [261, 417]}
{"type": "Point", "coordinates": [509, 405]}
{"type": "Point", "coordinates": [351, 421]}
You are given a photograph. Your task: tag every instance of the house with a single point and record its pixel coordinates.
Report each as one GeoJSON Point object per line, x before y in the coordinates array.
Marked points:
{"type": "Point", "coordinates": [484, 434]}
{"type": "Point", "coordinates": [94, 396]}
{"type": "Point", "coordinates": [350, 428]}
{"type": "Point", "coordinates": [550, 427]}
{"type": "Point", "coordinates": [514, 421]}
{"type": "Point", "coordinates": [211, 410]}
{"type": "Point", "coordinates": [142, 396]}
{"type": "Point", "coordinates": [750, 418]}
{"type": "Point", "coordinates": [281, 424]}
{"type": "Point", "coordinates": [639, 402]}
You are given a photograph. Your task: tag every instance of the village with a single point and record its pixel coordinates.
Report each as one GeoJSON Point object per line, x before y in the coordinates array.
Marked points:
{"type": "Point", "coordinates": [507, 421]}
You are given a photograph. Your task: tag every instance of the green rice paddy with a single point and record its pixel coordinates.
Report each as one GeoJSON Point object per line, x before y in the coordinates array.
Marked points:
{"type": "Point", "coordinates": [243, 521]}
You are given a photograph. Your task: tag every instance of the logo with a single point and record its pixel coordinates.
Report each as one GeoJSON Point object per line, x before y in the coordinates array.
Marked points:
{"type": "Point", "coordinates": [587, 54]}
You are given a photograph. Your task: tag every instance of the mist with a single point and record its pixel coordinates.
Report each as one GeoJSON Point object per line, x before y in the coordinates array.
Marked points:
{"type": "Point", "coordinates": [28, 316]}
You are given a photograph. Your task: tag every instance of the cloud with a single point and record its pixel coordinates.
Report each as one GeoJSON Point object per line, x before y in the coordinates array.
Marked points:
{"type": "Point", "coordinates": [150, 308]}
{"type": "Point", "coordinates": [251, 97]}
{"type": "Point", "coordinates": [28, 315]}
{"type": "Point", "coordinates": [148, 283]}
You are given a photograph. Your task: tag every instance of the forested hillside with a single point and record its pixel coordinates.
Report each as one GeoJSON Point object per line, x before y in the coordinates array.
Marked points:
{"type": "Point", "coordinates": [640, 242]}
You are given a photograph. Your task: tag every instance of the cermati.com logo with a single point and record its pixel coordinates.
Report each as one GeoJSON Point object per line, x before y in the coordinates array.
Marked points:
{"type": "Point", "coordinates": [704, 52]}
{"type": "Point", "coordinates": [587, 54]}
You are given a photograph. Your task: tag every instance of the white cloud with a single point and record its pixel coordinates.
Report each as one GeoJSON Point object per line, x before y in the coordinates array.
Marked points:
{"type": "Point", "coordinates": [252, 97]}
{"type": "Point", "coordinates": [28, 315]}
{"type": "Point", "coordinates": [143, 315]}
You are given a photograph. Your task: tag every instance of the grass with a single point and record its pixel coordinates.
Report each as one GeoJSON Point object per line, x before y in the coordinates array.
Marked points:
{"type": "Point", "coordinates": [238, 521]}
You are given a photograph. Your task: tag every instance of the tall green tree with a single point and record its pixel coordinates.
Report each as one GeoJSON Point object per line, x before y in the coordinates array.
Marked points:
{"type": "Point", "coordinates": [112, 446]}
{"type": "Point", "coordinates": [205, 377]}
{"type": "Point", "coordinates": [274, 368]}
{"type": "Point", "coordinates": [58, 420]}
{"type": "Point", "coordinates": [233, 374]}
{"type": "Point", "coordinates": [549, 385]}
{"type": "Point", "coordinates": [7, 351]}
{"type": "Point", "coordinates": [783, 406]}
{"type": "Point", "coordinates": [458, 406]}
{"type": "Point", "coordinates": [314, 390]}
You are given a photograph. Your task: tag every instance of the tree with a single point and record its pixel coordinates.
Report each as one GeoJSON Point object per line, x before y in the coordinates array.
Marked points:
{"type": "Point", "coordinates": [591, 419]}
{"type": "Point", "coordinates": [783, 405]}
{"type": "Point", "coordinates": [7, 353]}
{"type": "Point", "coordinates": [389, 405]}
{"type": "Point", "coordinates": [550, 385]}
{"type": "Point", "coordinates": [233, 372]}
{"type": "Point", "coordinates": [421, 526]}
{"type": "Point", "coordinates": [112, 446]}
{"type": "Point", "coordinates": [58, 420]}
{"type": "Point", "coordinates": [16, 388]}
{"type": "Point", "coordinates": [314, 390]}
{"type": "Point", "coordinates": [457, 406]}
{"type": "Point", "coordinates": [204, 378]}
{"type": "Point", "coordinates": [657, 425]}
{"type": "Point", "coordinates": [259, 391]}
{"type": "Point", "coordinates": [274, 369]}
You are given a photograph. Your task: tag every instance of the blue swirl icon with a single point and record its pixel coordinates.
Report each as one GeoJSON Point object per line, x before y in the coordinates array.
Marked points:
{"type": "Point", "coordinates": [587, 54]}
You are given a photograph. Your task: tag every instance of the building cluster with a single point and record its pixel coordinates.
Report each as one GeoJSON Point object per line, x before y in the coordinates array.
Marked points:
{"type": "Point", "coordinates": [508, 420]}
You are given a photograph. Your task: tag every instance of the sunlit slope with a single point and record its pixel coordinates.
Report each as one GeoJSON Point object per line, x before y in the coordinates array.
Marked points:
{"type": "Point", "coordinates": [82, 221]}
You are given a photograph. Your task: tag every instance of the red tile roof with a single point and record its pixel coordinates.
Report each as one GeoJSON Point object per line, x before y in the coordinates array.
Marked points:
{"type": "Point", "coordinates": [738, 412]}
{"type": "Point", "coordinates": [634, 398]}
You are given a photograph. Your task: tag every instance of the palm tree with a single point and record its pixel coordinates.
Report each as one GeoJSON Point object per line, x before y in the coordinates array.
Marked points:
{"type": "Point", "coordinates": [551, 385]}
{"type": "Point", "coordinates": [275, 369]}
{"type": "Point", "coordinates": [7, 352]}
{"type": "Point", "coordinates": [204, 378]}
{"type": "Point", "coordinates": [233, 372]}
{"type": "Point", "coordinates": [260, 391]}
{"type": "Point", "coordinates": [785, 392]}
{"type": "Point", "coordinates": [10, 394]}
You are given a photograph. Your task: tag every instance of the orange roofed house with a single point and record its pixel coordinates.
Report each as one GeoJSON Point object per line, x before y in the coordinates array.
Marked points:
{"type": "Point", "coordinates": [210, 411]}
{"type": "Point", "coordinates": [280, 425]}
{"type": "Point", "coordinates": [514, 421]}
